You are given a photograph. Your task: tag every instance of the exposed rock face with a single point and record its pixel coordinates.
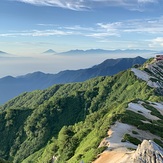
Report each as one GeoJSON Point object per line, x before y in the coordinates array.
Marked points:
{"type": "Point", "coordinates": [148, 152]}
{"type": "Point", "coordinates": [153, 75]}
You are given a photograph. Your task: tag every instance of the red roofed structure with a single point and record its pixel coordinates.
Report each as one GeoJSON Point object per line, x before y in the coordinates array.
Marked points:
{"type": "Point", "coordinates": [159, 57]}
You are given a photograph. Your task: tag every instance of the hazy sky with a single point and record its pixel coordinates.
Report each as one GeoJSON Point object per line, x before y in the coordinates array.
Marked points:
{"type": "Point", "coordinates": [29, 27]}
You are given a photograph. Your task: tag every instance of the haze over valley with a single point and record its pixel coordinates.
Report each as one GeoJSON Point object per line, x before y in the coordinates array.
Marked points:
{"type": "Point", "coordinates": [29, 28]}
{"type": "Point", "coordinates": [53, 62]}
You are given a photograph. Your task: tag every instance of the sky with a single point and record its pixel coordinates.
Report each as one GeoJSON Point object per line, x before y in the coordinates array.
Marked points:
{"type": "Point", "coordinates": [30, 27]}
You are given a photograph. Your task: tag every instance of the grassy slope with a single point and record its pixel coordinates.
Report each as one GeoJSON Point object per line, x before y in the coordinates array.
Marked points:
{"type": "Point", "coordinates": [67, 121]}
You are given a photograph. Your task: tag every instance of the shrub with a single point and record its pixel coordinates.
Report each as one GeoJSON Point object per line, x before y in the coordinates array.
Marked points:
{"type": "Point", "coordinates": [128, 137]}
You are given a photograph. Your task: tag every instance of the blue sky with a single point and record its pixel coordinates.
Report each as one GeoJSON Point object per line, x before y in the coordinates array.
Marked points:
{"type": "Point", "coordinates": [62, 25]}
{"type": "Point", "coordinates": [29, 27]}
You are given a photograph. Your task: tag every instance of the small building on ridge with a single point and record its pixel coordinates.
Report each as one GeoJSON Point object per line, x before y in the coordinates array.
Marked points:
{"type": "Point", "coordinates": [159, 57]}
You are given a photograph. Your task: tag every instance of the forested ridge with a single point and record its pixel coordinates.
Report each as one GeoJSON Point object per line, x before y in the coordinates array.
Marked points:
{"type": "Point", "coordinates": [13, 86]}
{"type": "Point", "coordinates": [69, 121]}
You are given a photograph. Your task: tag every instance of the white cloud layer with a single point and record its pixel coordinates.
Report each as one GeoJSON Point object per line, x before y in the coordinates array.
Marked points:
{"type": "Point", "coordinates": [157, 42]}
{"type": "Point", "coordinates": [150, 27]}
{"type": "Point", "coordinates": [147, 1]}
{"type": "Point", "coordinates": [100, 30]}
{"type": "Point", "coordinates": [37, 33]}
{"type": "Point", "coordinates": [89, 4]}
{"type": "Point", "coordinates": [136, 26]}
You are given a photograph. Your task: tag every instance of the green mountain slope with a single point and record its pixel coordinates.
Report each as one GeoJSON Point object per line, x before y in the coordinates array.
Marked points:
{"type": "Point", "coordinates": [69, 121]}
{"type": "Point", "coordinates": [13, 86]}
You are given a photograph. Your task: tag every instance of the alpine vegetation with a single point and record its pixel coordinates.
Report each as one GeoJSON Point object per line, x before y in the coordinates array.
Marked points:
{"type": "Point", "coordinates": [103, 119]}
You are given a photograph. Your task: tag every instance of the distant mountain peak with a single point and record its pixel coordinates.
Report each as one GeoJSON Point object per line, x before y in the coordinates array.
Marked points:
{"type": "Point", "coordinates": [50, 51]}
{"type": "Point", "coordinates": [2, 52]}
{"type": "Point", "coordinates": [5, 54]}
{"type": "Point", "coordinates": [103, 51]}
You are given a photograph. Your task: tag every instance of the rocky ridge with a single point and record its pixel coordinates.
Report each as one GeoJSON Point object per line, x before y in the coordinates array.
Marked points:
{"type": "Point", "coordinates": [152, 74]}
{"type": "Point", "coordinates": [124, 150]}
{"type": "Point", "coordinates": [148, 152]}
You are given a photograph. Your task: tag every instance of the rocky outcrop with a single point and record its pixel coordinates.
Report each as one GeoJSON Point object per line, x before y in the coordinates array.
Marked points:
{"type": "Point", "coordinates": [152, 74]}
{"type": "Point", "coordinates": [148, 152]}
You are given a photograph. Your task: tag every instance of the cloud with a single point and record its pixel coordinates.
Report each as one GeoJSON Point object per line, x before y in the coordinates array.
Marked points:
{"type": "Point", "coordinates": [139, 26]}
{"type": "Point", "coordinates": [101, 35]}
{"type": "Point", "coordinates": [150, 27]}
{"type": "Point", "coordinates": [105, 30]}
{"type": "Point", "coordinates": [48, 25]}
{"type": "Point", "coordinates": [89, 4]}
{"type": "Point", "coordinates": [147, 1]}
{"type": "Point", "coordinates": [157, 42]}
{"type": "Point", "coordinates": [69, 4]}
{"type": "Point", "coordinates": [37, 33]}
